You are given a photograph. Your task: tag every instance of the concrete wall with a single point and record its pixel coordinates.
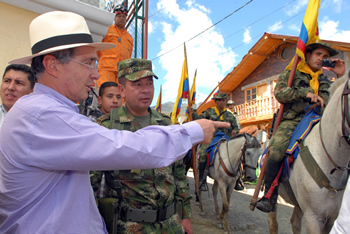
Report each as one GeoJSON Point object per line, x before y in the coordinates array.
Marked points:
{"type": "Point", "coordinates": [14, 31]}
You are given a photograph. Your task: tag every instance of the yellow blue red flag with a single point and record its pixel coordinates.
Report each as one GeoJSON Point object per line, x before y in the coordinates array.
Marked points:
{"type": "Point", "coordinates": [192, 94]}
{"type": "Point", "coordinates": [308, 32]}
{"type": "Point", "coordinates": [182, 91]}
{"type": "Point", "coordinates": [159, 101]}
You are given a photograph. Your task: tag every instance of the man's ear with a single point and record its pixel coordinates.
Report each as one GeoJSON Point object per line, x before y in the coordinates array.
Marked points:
{"type": "Point", "coordinates": [307, 56]}
{"type": "Point", "coordinates": [121, 90]}
{"type": "Point", "coordinates": [51, 65]}
{"type": "Point", "coordinates": [99, 100]}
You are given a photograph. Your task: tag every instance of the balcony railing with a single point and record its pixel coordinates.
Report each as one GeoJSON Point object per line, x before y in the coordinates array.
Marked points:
{"type": "Point", "coordinates": [263, 108]}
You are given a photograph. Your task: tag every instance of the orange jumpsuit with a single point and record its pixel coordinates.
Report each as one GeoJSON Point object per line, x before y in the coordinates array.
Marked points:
{"type": "Point", "coordinates": [108, 59]}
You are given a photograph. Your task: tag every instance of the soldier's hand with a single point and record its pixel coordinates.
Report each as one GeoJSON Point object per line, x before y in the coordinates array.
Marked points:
{"type": "Point", "coordinates": [339, 68]}
{"type": "Point", "coordinates": [315, 98]}
{"type": "Point", "coordinates": [209, 126]}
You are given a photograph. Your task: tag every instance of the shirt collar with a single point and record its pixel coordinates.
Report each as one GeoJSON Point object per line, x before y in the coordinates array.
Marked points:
{"type": "Point", "coordinates": [43, 89]}
{"type": "Point", "coordinates": [3, 110]}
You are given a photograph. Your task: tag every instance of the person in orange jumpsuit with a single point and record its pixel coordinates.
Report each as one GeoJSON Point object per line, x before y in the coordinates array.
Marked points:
{"type": "Point", "coordinates": [116, 34]}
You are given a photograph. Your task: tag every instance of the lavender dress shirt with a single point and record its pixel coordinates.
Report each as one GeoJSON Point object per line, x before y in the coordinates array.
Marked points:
{"type": "Point", "coordinates": [46, 151]}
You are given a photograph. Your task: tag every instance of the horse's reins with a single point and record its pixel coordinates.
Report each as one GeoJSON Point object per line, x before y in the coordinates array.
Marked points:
{"type": "Point", "coordinates": [222, 164]}
{"type": "Point", "coordinates": [242, 159]}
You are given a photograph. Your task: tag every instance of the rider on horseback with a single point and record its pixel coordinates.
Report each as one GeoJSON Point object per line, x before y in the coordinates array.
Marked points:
{"type": "Point", "coordinates": [217, 113]}
{"type": "Point", "coordinates": [309, 85]}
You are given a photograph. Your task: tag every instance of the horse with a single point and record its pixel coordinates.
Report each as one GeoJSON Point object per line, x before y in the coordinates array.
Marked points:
{"type": "Point", "coordinates": [225, 171]}
{"type": "Point", "coordinates": [329, 145]}
{"type": "Point", "coordinates": [257, 130]}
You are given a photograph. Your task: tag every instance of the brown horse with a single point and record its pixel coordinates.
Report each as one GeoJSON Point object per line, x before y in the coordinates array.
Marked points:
{"type": "Point", "coordinates": [256, 130]}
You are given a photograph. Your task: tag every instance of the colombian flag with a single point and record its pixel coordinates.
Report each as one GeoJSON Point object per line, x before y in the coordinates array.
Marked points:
{"type": "Point", "coordinates": [192, 94]}
{"type": "Point", "coordinates": [182, 92]}
{"type": "Point", "coordinates": [308, 32]}
{"type": "Point", "coordinates": [159, 101]}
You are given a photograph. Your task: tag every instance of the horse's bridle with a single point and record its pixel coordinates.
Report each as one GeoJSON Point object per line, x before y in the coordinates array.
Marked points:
{"type": "Point", "coordinates": [345, 112]}
{"type": "Point", "coordinates": [242, 158]}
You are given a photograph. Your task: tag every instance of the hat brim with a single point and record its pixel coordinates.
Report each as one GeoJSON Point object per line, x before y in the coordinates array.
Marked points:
{"type": "Point", "coordinates": [97, 45]}
{"type": "Point", "coordinates": [332, 52]}
{"type": "Point", "coordinates": [140, 74]}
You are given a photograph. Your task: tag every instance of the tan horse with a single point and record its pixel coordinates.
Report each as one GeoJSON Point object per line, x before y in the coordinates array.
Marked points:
{"type": "Point", "coordinates": [256, 130]}
{"type": "Point", "coordinates": [329, 144]}
{"type": "Point", "coordinates": [225, 171]}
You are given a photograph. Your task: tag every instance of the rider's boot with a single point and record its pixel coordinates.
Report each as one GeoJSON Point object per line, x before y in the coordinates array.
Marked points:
{"type": "Point", "coordinates": [272, 169]}
{"type": "Point", "coordinates": [201, 178]}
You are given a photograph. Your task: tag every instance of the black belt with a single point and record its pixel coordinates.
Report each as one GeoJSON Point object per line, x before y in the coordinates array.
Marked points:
{"type": "Point", "coordinates": [147, 216]}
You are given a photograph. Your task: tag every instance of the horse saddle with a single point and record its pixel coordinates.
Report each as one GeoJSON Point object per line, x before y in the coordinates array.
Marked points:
{"type": "Point", "coordinates": [311, 117]}
{"type": "Point", "coordinates": [214, 146]}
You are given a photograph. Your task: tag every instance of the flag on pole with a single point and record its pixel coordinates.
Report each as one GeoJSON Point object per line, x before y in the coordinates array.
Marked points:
{"type": "Point", "coordinates": [308, 31]}
{"type": "Point", "coordinates": [159, 101]}
{"type": "Point", "coordinates": [182, 91]}
{"type": "Point", "coordinates": [192, 94]}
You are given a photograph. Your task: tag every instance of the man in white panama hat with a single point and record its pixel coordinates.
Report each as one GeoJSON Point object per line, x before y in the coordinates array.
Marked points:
{"type": "Point", "coordinates": [44, 177]}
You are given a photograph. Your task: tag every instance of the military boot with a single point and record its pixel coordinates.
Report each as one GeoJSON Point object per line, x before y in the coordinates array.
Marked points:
{"type": "Point", "coordinates": [272, 169]}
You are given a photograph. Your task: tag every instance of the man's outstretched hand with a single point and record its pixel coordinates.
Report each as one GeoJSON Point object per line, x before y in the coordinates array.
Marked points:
{"type": "Point", "coordinates": [208, 127]}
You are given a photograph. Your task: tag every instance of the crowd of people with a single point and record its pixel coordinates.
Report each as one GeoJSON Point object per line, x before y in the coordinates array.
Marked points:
{"type": "Point", "coordinates": [119, 169]}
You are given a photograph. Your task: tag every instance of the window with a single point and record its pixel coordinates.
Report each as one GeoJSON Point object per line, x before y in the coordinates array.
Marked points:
{"type": "Point", "coordinates": [250, 94]}
{"type": "Point", "coordinates": [285, 53]}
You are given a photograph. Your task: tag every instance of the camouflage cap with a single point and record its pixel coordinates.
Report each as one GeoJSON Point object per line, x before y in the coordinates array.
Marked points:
{"type": "Point", "coordinates": [135, 69]}
{"type": "Point", "coordinates": [311, 47]}
{"type": "Point", "coordinates": [220, 96]}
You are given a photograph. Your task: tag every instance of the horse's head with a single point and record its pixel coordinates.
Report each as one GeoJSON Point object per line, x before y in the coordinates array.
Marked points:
{"type": "Point", "coordinates": [251, 156]}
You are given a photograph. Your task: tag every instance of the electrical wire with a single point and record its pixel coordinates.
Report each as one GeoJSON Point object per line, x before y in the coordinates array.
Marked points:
{"type": "Point", "coordinates": [205, 29]}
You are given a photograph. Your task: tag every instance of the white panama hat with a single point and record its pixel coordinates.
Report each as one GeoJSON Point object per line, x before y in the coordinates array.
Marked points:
{"type": "Point", "coordinates": [59, 30]}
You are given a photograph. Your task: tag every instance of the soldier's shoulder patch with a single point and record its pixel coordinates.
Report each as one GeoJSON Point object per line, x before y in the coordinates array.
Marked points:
{"type": "Point", "coordinates": [103, 118]}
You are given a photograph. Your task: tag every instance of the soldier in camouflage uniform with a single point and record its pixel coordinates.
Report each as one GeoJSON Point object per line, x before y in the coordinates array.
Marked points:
{"type": "Point", "coordinates": [230, 107]}
{"type": "Point", "coordinates": [153, 200]}
{"type": "Point", "coordinates": [217, 113]}
{"type": "Point", "coordinates": [309, 86]}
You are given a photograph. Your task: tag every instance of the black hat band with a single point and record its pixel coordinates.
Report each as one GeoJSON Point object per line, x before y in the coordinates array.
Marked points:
{"type": "Point", "coordinates": [60, 41]}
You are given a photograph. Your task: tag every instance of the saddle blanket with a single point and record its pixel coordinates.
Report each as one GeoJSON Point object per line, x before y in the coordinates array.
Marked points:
{"type": "Point", "coordinates": [299, 134]}
{"type": "Point", "coordinates": [214, 146]}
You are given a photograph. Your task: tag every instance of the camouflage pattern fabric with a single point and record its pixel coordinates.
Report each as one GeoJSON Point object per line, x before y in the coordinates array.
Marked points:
{"type": "Point", "coordinates": [108, 59]}
{"type": "Point", "coordinates": [211, 114]}
{"type": "Point", "coordinates": [135, 69]}
{"type": "Point", "coordinates": [294, 99]}
{"type": "Point", "coordinates": [147, 189]}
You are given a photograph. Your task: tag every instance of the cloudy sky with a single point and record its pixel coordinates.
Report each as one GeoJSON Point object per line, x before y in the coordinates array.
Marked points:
{"type": "Point", "coordinates": [219, 33]}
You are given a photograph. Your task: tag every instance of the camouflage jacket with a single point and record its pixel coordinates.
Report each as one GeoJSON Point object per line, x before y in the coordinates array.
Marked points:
{"type": "Point", "coordinates": [152, 188]}
{"type": "Point", "coordinates": [294, 98]}
{"type": "Point", "coordinates": [227, 117]}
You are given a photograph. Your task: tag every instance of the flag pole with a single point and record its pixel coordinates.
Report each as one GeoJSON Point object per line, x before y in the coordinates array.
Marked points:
{"type": "Point", "coordinates": [189, 110]}
{"type": "Point", "coordinates": [308, 34]}
{"type": "Point", "coordinates": [254, 199]}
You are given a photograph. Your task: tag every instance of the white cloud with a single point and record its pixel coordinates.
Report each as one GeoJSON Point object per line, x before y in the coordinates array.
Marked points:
{"type": "Point", "coordinates": [206, 53]}
{"type": "Point", "coordinates": [150, 27]}
{"type": "Point", "coordinates": [246, 35]}
{"type": "Point", "coordinates": [295, 7]}
{"type": "Point", "coordinates": [275, 27]}
{"type": "Point", "coordinates": [295, 27]}
{"type": "Point", "coordinates": [336, 5]}
{"type": "Point", "coordinates": [329, 30]}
